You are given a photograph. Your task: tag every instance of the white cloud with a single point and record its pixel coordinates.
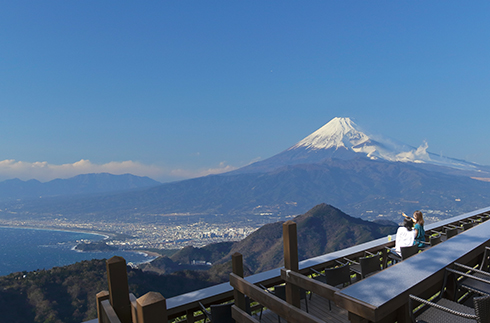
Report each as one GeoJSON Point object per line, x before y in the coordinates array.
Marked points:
{"type": "Point", "coordinates": [186, 173]}
{"type": "Point", "coordinates": [415, 155]}
{"type": "Point", "coordinates": [44, 171]}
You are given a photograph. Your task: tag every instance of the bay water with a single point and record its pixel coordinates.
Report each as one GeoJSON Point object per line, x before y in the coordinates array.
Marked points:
{"type": "Point", "coordinates": [31, 249]}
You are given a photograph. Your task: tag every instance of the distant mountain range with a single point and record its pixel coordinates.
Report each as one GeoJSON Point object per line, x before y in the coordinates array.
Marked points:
{"type": "Point", "coordinates": [14, 189]}
{"type": "Point", "coordinates": [366, 176]}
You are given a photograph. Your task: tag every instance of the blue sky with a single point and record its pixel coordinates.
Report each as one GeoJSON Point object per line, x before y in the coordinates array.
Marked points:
{"type": "Point", "coordinates": [178, 89]}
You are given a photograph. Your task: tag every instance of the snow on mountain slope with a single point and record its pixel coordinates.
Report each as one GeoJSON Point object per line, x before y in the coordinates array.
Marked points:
{"type": "Point", "coordinates": [344, 133]}
{"type": "Point", "coordinates": [339, 132]}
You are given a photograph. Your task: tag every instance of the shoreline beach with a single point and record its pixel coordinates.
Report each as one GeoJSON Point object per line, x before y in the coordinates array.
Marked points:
{"type": "Point", "coordinates": [106, 235]}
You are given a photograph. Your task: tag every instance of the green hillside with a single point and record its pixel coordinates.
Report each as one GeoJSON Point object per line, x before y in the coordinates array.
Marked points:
{"type": "Point", "coordinates": [67, 294]}
{"type": "Point", "coordinates": [321, 230]}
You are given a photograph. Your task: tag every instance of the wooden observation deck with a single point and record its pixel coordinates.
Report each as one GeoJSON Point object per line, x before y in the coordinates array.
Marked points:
{"type": "Point", "coordinates": [382, 297]}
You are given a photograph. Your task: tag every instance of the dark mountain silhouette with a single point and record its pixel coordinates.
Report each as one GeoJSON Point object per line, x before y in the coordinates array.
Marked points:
{"type": "Point", "coordinates": [81, 184]}
{"type": "Point", "coordinates": [321, 230]}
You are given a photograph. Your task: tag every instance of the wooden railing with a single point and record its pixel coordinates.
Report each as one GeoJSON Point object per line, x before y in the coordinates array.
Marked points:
{"type": "Point", "coordinates": [382, 297]}
{"type": "Point", "coordinates": [117, 305]}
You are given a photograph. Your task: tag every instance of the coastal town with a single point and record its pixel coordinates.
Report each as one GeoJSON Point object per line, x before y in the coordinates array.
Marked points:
{"type": "Point", "coordinates": [174, 234]}
{"type": "Point", "coordinates": [137, 236]}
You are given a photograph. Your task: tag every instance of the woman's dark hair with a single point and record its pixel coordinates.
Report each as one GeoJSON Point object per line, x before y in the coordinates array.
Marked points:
{"type": "Point", "coordinates": [408, 223]}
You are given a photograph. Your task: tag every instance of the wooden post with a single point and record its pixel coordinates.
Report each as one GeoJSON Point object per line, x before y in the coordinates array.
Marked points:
{"type": "Point", "coordinates": [402, 314]}
{"type": "Point", "coordinates": [385, 258]}
{"type": "Point", "coordinates": [451, 290]}
{"type": "Point", "coordinates": [117, 277]}
{"type": "Point", "coordinates": [152, 308]}
{"type": "Point", "coordinates": [237, 264]}
{"type": "Point", "coordinates": [189, 316]}
{"type": "Point", "coordinates": [101, 296]}
{"type": "Point", "coordinates": [290, 239]}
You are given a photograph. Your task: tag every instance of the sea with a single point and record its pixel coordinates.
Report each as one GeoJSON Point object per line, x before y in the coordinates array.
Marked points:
{"type": "Point", "coordinates": [24, 249]}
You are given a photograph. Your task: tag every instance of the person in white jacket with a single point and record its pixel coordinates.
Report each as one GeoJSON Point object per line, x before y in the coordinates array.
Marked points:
{"type": "Point", "coordinates": [404, 235]}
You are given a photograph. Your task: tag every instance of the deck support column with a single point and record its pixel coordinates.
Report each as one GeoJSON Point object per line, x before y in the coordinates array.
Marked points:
{"type": "Point", "coordinates": [189, 316]}
{"type": "Point", "coordinates": [237, 264]}
{"type": "Point", "coordinates": [117, 277]}
{"type": "Point", "coordinates": [290, 239]}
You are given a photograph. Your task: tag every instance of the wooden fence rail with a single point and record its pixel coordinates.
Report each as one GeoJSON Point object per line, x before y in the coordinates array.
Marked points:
{"type": "Point", "coordinates": [309, 284]}
{"type": "Point", "coordinates": [287, 311]}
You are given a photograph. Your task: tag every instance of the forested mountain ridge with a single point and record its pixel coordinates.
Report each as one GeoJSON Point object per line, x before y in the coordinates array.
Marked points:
{"type": "Point", "coordinates": [67, 294]}
{"type": "Point", "coordinates": [322, 229]}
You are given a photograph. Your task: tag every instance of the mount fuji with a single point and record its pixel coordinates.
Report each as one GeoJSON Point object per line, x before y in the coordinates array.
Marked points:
{"type": "Point", "coordinates": [364, 175]}
{"type": "Point", "coordinates": [342, 139]}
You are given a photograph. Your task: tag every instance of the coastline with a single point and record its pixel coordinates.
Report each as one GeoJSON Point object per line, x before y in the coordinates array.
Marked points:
{"type": "Point", "coordinates": [106, 235]}
{"type": "Point", "coordinates": [149, 253]}
{"type": "Point", "coordinates": [42, 249]}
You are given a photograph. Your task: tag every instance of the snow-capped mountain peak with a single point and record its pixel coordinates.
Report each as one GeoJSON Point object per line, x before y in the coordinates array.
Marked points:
{"type": "Point", "coordinates": [341, 138]}
{"type": "Point", "coordinates": [339, 132]}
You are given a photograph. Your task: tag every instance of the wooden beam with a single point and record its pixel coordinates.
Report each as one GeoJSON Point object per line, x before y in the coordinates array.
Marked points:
{"type": "Point", "coordinates": [310, 284]}
{"type": "Point", "coordinates": [108, 313]}
{"type": "Point", "coordinates": [275, 304]}
{"type": "Point", "coordinates": [355, 306]}
{"type": "Point", "coordinates": [241, 316]}
{"type": "Point", "coordinates": [101, 296]}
